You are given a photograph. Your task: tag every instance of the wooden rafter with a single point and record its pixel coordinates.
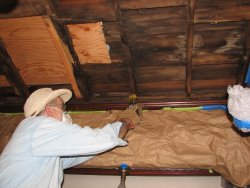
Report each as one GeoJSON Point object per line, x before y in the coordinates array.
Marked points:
{"type": "Point", "coordinates": [245, 60]}
{"type": "Point", "coordinates": [126, 49]}
{"type": "Point", "coordinates": [11, 73]}
{"type": "Point", "coordinates": [190, 36]}
{"type": "Point", "coordinates": [79, 75]}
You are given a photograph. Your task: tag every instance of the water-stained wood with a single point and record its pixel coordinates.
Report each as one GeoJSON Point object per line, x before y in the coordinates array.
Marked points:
{"type": "Point", "coordinates": [160, 50]}
{"type": "Point", "coordinates": [139, 4]}
{"type": "Point", "coordinates": [222, 11]}
{"type": "Point", "coordinates": [94, 10]}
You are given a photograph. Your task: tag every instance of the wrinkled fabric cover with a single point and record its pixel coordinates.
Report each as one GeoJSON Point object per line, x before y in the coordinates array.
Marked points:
{"type": "Point", "coordinates": [169, 139]}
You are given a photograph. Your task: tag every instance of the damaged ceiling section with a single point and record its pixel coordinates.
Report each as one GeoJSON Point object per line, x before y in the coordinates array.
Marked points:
{"type": "Point", "coordinates": [163, 52]}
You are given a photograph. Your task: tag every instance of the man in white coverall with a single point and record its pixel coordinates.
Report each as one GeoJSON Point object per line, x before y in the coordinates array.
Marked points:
{"type": "Point", "coordinates": [46, 142]}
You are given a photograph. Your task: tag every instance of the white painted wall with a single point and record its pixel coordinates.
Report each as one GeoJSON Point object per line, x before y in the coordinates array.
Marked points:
{"type": "Point", "coordinates": [93, 181]}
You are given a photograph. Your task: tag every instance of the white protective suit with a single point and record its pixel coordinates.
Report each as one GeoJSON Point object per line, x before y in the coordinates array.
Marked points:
{"type": "Point", "coordinates": [42, 147]}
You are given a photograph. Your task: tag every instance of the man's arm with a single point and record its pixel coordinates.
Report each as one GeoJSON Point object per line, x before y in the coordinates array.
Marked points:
{"type": "Point", "coordinates": [54, 138]}
{"type": "Point", "coordinates": [126, 125]}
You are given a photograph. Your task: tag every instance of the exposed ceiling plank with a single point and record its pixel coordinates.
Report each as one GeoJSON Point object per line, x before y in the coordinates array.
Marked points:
{"type": "Point", "coordinates": [221, 11]}
{"type": "Point", "coordinates": [132, 4]}
{"type": "Point", "coordinates": [89, 11]}
{"type": "Point", "coordinates": [89, 43]}
{"type": "Point", "coordinates": [212, 84]}
{"type": "Point", "coordinates": [11, 73]}
{"type": "Point", "coordinates": [126, 49]}
{"type": "Point", "coordinates": [78, 78]}
{"type": "Point", "coordinates": [24, 8]}
{"type": "Point", "coordinates": [190, 36]}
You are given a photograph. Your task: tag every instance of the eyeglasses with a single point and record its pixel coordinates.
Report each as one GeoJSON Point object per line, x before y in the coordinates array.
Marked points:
{"type": "Point", "coordinates": [62, 105]}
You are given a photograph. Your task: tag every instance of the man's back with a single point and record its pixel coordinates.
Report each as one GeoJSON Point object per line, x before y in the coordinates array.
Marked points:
{"type": "Point", "coordinates": [20, 168]}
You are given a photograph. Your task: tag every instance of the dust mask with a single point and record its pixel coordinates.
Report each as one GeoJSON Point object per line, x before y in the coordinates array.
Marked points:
{"type": "Point", "coordinates": [66, 118]}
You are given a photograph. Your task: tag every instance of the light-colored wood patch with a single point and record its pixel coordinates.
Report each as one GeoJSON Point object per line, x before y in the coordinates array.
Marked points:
{"type": "Point", "coordinates": [4, 81]}
{"type": "Point", "coordinates": [32, 50]}
{"type": "Point", "coordinates": [89, 43]}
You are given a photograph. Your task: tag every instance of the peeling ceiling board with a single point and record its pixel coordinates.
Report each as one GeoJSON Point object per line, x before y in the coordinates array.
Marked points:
{"type": "Point", "coordinates": [89, 43]}
{"type": "Point", "coordinates": [28, 42]}
{"type": "Point", "coordinates": [34, 51]}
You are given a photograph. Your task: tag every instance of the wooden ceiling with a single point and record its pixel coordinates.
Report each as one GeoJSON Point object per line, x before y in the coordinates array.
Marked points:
{"type": "Point", "coordinates": [165, 52]}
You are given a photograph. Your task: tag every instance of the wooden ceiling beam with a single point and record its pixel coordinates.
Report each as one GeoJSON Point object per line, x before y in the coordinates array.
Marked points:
{"type": "Point", "coordinates": [80, 76]}
{"type": "Point", "coordinates": [126, 49]}
{"type": "Point", "coordinates": [12, 107]}
{"type": "Point", "coordinates": [245, 59]}
{"type": "Point", "coordinates": [11, 73]}
{"type": "Point", "coordinates": [190, 37]}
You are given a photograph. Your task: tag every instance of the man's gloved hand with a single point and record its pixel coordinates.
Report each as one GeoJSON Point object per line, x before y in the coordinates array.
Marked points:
{"type": "Point", "coordinates": [132, 115]}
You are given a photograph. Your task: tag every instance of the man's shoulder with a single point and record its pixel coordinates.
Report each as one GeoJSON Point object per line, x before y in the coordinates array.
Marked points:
{"type": "Point", "coordinates": [31, 122]}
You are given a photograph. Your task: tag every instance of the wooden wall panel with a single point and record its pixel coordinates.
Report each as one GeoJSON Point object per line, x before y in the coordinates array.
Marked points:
{"type": "Point", "coordinates": [89, 43]}
{"type": "Point", "coordinates": [28, 42]}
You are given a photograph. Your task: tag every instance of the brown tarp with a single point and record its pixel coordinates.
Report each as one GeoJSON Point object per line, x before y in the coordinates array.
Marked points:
{"type": "Point", "coordinates": [169, 139]}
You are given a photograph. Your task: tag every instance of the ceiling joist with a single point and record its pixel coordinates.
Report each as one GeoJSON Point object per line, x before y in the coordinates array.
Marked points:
{"type": "Point", "coordinates": [190, 38]}
{"type": "Point", "coordinates": [126, 49]}
{"type": "Point", "coordinates": [11, 73]}
{"type": "Point", "coordinates": [79, 80]}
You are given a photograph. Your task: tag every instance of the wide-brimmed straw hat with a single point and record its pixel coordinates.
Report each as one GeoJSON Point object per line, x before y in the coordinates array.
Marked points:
{"type": "Point", "coordinates": [41, 97]}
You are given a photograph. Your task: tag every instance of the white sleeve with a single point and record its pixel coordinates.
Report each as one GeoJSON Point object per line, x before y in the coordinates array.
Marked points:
{"type": "Point", "coordinates": [73, 161]}
{"type": "Point", "coordinates": [55, 138]}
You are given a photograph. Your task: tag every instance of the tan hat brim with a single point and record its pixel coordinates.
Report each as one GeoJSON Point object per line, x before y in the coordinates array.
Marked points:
{"type": "Point", "coordinates": [65, 94]}
{"type": "Point", "coordinates": [40, 98]}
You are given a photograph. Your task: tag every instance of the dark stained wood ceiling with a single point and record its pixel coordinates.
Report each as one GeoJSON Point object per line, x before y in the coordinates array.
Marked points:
{"type": "Point", "coordinates": [165, 52]}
